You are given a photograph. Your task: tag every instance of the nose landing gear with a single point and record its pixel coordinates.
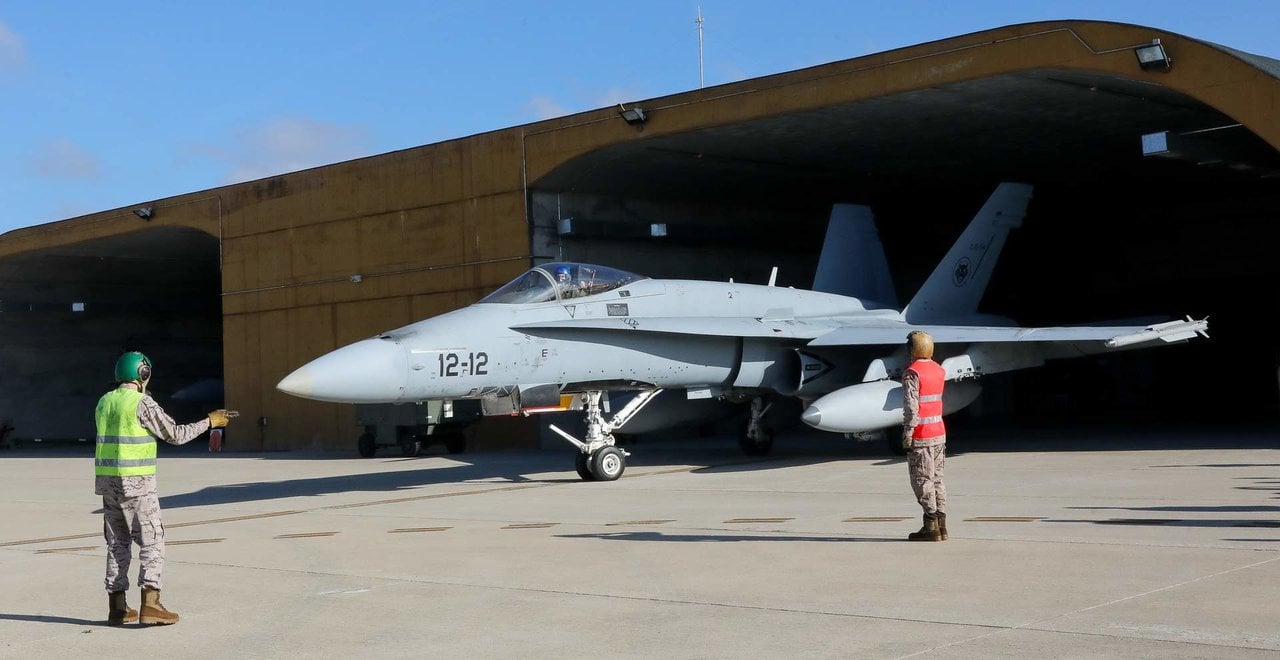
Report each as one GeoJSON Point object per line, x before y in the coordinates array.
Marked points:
{"type": "Point", "coordinates": [598, 458]}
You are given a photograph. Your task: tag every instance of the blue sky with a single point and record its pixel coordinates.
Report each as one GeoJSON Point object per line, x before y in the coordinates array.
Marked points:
{"type": "Point", "coordinates": [111, 104]}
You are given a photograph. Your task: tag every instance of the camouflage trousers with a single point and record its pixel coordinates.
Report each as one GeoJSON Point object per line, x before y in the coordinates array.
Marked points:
{"type": "Point", "coordinates": [133, 520]}
{"type": "Point", "coordinates": [925, 467]}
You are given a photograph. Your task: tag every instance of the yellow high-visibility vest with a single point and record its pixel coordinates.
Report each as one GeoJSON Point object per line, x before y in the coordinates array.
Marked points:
{"type": "Point", "coordinates": [125, 448]}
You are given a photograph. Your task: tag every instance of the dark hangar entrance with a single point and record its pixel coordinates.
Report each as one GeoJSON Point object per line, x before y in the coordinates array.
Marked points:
{"type": "Point", "coordinates": [1111, 233]}
{"type": "Point", "coordinates": [66, 313]}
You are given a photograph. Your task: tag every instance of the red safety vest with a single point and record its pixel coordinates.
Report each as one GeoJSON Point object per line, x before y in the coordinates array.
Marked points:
{"type": "Point", "coordinates": [929, 418]}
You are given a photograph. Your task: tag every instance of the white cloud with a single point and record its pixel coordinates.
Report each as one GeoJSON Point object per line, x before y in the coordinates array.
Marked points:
{"type": "Point", "coordinates": [13, 53]}
{"type": "Point", "coordinates": [614, 96]}
{"type": "Point", "coordinates": [288, 145]}
{"type": "Point", "coordinates": [64, 159]}
{"type": "Point", "coordinates": [544, 107]}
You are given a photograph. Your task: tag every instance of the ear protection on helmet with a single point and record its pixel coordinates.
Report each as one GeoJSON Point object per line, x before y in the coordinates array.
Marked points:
{"type": "Point", "coordinates": [133, 366]}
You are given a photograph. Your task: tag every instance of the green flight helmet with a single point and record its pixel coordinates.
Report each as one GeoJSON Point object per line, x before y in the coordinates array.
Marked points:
{"type": "Point", "coordinates": [133, 366]}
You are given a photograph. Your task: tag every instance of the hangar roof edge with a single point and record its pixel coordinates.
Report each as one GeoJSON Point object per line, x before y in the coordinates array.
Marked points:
{"type": "Point", "coordinates": [1269, 66]}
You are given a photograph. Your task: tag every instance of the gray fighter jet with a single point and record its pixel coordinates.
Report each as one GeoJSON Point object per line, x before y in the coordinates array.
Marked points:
{"type": "Point", "coordinates": [562, 335]}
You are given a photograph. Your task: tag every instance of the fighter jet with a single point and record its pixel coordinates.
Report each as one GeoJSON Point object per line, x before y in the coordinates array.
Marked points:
{"type": "Point", "coordinates": [563, 335]}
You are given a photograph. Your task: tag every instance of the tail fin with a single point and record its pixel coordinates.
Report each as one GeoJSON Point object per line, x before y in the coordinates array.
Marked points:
{"type": "Point", "coordinates": [957, 284]}
{"type": "Point", "coordinates": [853, 261]}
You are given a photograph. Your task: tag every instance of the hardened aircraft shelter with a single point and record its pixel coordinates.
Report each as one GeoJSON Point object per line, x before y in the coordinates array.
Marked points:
{"type": "Point", "coordinates": [1153, 155]}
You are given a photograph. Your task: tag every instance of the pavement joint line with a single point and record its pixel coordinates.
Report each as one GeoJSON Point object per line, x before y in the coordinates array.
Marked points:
{"type": "Point", "coordinates": [756, 520]}
{"type": "Point", "coordinates": [1005, 519]}
{"type": "Point", "coordinates": [1039, 624]}
{"type": "Point", "coordinates": [638, 522]}
{"type": "Point", "coordinates": [530, 525]}
{"type": "Point", "coordinates": [407, 530]}
{"type": "Point", "coordinates": [400, 581]}
{"type": "Point", "coordinates": [195, 541]}
{"type": "Point", "coordinates": [304, 535]}
{"type": "Point", "coordinates": [270, 514]}
{"type": "Point", "coordinates": [432, 496]}
{"type": "Point", "coordinates": [994, 628]}
{"type": "Point", "coordinates": [252, 516]}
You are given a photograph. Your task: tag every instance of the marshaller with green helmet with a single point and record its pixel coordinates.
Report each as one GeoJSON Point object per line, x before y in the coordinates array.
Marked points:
{"type": "Point", "coordinates": [129, 422]}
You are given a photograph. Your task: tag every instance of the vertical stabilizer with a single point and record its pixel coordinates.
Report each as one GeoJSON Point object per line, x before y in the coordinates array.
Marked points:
{"type": "Point", "coordinates": [957, 284]}
{"type": "Point", "coordinates": [853, 261]}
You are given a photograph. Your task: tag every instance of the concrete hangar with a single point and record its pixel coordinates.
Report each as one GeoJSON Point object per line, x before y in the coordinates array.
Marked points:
{"type": "Point", "coordinates": [248, 281]}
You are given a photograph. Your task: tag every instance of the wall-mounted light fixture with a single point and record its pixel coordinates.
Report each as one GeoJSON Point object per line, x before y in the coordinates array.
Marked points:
{"type": "Point", "coordinates": [1153, 56]}
{"type": "Point", "coordinates": [144, 212]}
{"type": "Point", "coordinates": [634, 116]}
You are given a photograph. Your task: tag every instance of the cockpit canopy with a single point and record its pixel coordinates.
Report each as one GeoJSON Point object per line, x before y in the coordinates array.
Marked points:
{"type": "Point", "coordinates": [559, 281]}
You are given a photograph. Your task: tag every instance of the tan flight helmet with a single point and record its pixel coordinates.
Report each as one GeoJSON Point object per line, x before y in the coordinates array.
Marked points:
{"type": "Point", "coordinates": [920, 343]}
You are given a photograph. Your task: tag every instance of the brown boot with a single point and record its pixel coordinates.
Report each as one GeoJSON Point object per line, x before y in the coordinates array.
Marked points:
{"type": "Point", "coordinates": [118, 611]}
{"type": "Point", "coordinates": [929, 531]}
{"type": "Point", "coordinates": [152, 611]}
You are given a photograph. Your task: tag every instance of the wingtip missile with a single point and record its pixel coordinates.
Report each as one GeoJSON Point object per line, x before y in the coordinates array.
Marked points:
{"type": "Point", "coordinates": [1170, 331]}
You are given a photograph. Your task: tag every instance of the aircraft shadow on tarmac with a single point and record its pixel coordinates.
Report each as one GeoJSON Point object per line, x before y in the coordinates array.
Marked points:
{"type": "Point", "coordinates": [481, 472]}
{"type": "Point", "coordinates": [719, 538]}
{"type": "Point", "coordinates": [1174, 522]}
{"type": "Point", "coordinates": [1272, 523]}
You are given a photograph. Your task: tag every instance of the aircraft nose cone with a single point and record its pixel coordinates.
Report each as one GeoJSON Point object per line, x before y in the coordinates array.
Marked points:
{"type": "Point", "coordinates": [812, 416]}
{"type": "Point", "coordinates": [369, 371]}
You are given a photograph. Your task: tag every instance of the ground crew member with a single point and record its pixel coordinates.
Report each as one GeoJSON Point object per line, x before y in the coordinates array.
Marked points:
{"type": "Point", "coordinates": [129, 421]}
{"type": "Point", "coordinates": [924, 435]}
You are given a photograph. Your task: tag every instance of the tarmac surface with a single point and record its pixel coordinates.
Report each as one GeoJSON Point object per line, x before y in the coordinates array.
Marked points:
{"type": "Point", "coordinates": [1064, 543]}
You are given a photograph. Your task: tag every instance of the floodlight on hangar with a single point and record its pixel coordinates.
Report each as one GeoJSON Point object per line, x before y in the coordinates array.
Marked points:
{"type": "Point", "coordinates": [634, 115]}
{"type": "Point", "coordinates": [1153, 56]}
{"type": "Point", "coordinates": [144, 212]}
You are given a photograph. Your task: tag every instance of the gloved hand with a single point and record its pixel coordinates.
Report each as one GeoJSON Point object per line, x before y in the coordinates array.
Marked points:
{"type": "Point", "coordinates": [220, 418]}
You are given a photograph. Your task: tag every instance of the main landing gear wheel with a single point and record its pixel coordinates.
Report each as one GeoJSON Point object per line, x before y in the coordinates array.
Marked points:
{"type": "Point", "coordinates": [410, 447]}
{"type": "Point", "coordinates": [368, 445]}
{"type": "Point", "coordinates": [756, 439]}
{"type": "Point", "coordinates": [759, 445]}
{"type": "Point", "coordinates": [608, 464]}
{"type": "Point", "coordinates": [455, 443]}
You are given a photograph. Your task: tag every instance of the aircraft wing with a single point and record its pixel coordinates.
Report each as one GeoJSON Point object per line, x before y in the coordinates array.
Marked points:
{"type": "Point", "coordinates": [864, 332]}
{"type": "Point", "coordinates": [1111, 336]}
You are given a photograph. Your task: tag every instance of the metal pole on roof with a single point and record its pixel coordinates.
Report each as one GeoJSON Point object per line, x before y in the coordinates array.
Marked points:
{"type": "Point", "coordinates": [702, 82]}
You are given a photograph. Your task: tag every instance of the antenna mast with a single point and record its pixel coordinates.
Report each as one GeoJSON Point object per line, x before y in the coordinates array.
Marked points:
{"type": "Point", "coordinates": [702, 82]}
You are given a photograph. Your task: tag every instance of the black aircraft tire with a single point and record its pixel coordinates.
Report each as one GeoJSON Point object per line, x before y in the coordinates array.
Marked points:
{"type": "Point", "coordinates": [758, 447]}
{"type": "Point", "coordinates": [608, 464]}
{"type": "Point", "coordinates": [367, 445]}
{"type": "Point", "coordinates": [455, 443]}
{"type": "Point", "coordinates": [583, 464]}
{"type": "Point", "coordinates": [410, 447]}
